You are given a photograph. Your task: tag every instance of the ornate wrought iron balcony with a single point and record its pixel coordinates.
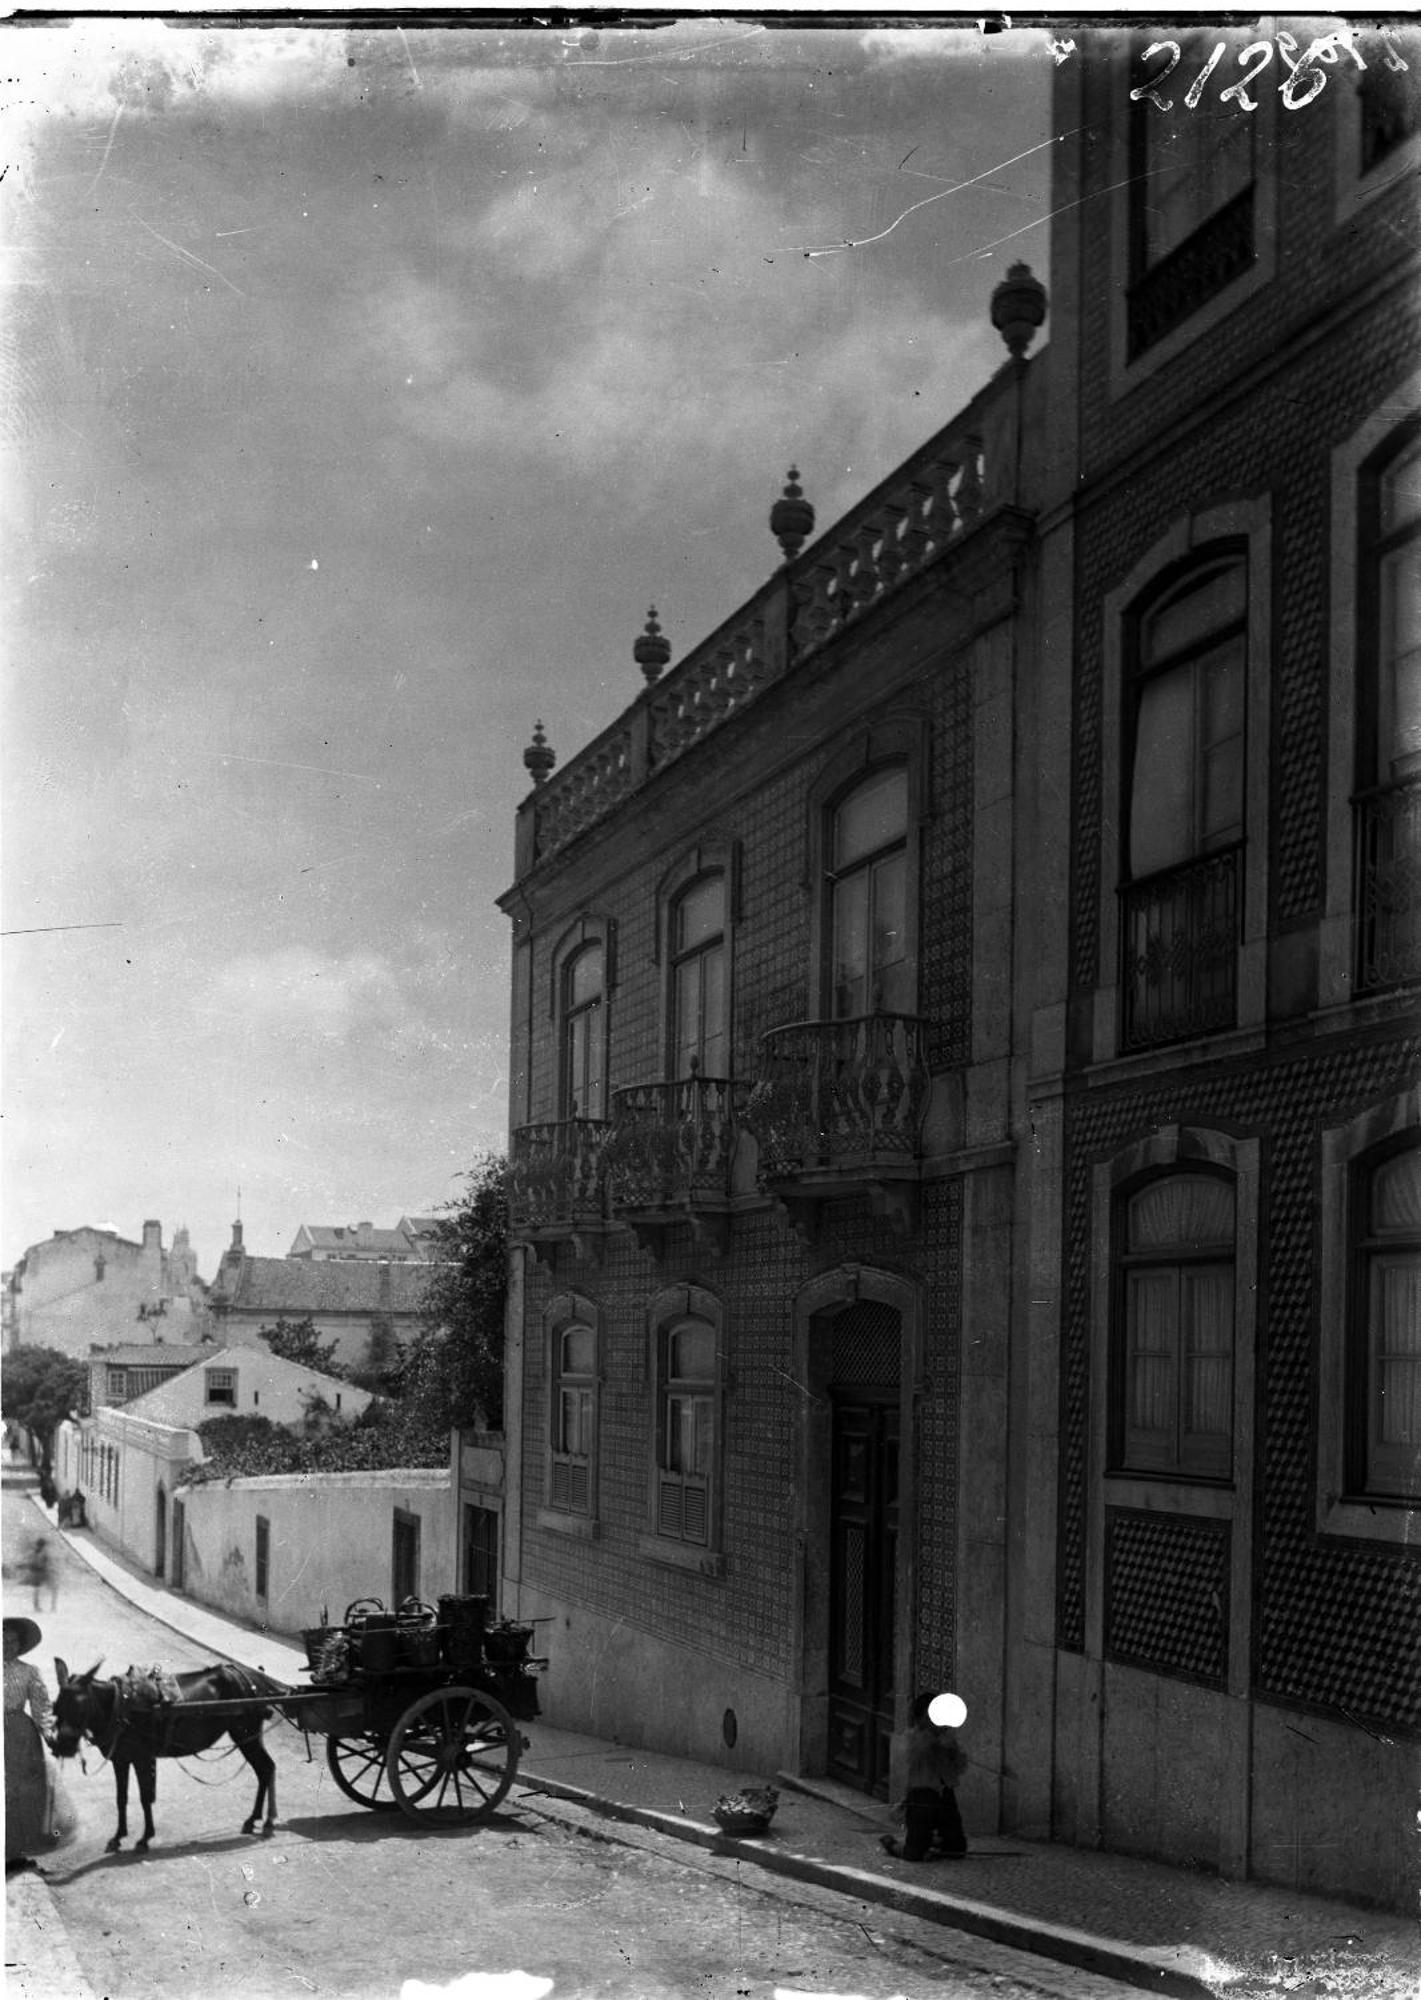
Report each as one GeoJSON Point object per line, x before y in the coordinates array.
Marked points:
{"type": "Point", "coordinates": [556, 1185]}
{"type": "Point", "coordinates": [1179, 938]}
{"type": "Point", "coordinates": [671, 1143]}
{"type": "Point", "coordinates": [838, 1106]}
{"type": "Point", "coordinates": [1388, 904]}
{"type": "Point", "coordinates": [668, 1158]}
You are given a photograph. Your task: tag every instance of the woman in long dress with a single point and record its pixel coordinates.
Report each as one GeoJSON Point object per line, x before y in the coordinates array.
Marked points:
{"type": "Point", "coordinates": [37, 1817]}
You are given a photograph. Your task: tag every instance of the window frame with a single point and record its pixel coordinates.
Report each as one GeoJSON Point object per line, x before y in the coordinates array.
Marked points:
{"type": "Point", "coordinates": [1373, 546]}
{"type": "Point", "coordinates": [225, 1378]}
{"type": "Point", "coordinates": [1128, 369]}
{"type": "Point", "coordinates": [714, 854]}
{"type": "Point", "coordinates": [1192, 536]}
{"type": "Point", "coordinates": [1369, 445]}
{"type": "Point", "coordinates": [406, 1552]}
{"type": "Point", "coordinates": [565, 1312]}
{"type": "Point", "coordinates": [682, 956]}
{"type": "Point", "coordinates": [675, 1307]}
{"type": "Point", "coordinates": [1368, 1479]}
{"type": "Point", "coordinates": [1347, 1152]}
{"type": "Point", "coordinates": [1175, 1258]}
{"type": "Point", "coordinates": [261, 1558]}
{"type": "Point", "coordinates": [588, 930]}
{"type": "Point", "coordinates": [1174, 1148]}
{"type": "Point", "coordinates": [1355, 185]}
{"type": "Point", "coordinates": [900, 737]}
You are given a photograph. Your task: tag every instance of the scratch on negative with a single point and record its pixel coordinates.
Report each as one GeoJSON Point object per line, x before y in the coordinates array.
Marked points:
{"type": "Point", "coordinates": [113, 128]}
{"type": "Point", "coordinates": [187, 256]}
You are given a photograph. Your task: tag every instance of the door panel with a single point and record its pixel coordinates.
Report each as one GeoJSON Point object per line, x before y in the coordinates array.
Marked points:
{"type": "Point", "coordinates": [862, 1572]}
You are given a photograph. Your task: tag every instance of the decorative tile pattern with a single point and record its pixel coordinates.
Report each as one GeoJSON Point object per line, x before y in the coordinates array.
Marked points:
{"type": "Point", "coordinates": [1336, 1624]}
{"type": "Point", "coordinates": [1167, 1593]}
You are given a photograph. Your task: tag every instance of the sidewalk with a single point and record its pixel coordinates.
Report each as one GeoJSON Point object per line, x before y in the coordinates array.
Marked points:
{"type": "Point", "coordinates": [1152, 1926]}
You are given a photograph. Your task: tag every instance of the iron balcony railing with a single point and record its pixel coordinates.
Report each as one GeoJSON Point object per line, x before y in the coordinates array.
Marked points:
{"type": "Point", "coordinates": [839, 1095]}
{"type": "Point", "coordinates": [1388, 899]}
{"type": "Point", "coordinates": [1179, 938]}
{"type": "Point", "coordinates": [671, 1143]}
{"type": "Point", "coordinates": [555, 1177]}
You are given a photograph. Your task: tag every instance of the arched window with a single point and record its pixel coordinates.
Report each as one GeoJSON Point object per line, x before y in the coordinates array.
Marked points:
{"type": "Point", "coordinates": [573, 1418]}
{"type": "Point", "coordinates": [686, 1440]}
{"type": "Point", "coordinates": [700, 1043]}
{"type": "Point", "coordinates": [1384, 1376]}
{"type": "Point", "coordinates": [1184, 805]}
{"type": "Point", "coordinates": [584, 1084]}
{"type": "Point", "coordinates": [870, 963]}
{"type": "Point", "coordinates": [1172, 1391]}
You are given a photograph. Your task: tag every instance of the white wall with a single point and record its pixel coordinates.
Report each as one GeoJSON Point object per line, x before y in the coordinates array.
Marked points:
{"type": "Point", "coordinates": [331, 1541]}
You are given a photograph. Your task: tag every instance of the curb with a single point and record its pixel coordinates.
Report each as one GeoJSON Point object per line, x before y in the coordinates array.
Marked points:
{"type": "Point", "coordinates": [43, 1966]}
{"type": "Point", "coordinates": [1134, 1964]}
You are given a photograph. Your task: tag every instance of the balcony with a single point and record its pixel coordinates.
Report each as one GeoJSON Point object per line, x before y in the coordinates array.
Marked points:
{"type": "Point", "coordinates": [1388, 847]}
{"type": "Point", "coordinates": [1179, 938]}
{"type": "Point", "coordinates": [669, 1158]}
{"type": "Point", "coordinates": [556, 1183]}
{"type": "Point", "coordinates": [837, 1110]}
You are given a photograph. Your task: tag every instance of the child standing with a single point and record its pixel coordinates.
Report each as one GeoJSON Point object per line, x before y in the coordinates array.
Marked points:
{"type": "Point", "coordinates": [935, 1763]}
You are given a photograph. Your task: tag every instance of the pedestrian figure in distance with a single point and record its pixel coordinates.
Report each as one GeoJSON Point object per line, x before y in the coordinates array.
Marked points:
{"type": "Point", "coordinates": [42, 1574]}
{"type": "Point", "coordinates": [934, 1764]}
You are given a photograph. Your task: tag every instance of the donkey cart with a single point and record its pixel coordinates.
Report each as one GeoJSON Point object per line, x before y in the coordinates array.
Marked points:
{"type": "Point", "coordinates": [419, 1710]}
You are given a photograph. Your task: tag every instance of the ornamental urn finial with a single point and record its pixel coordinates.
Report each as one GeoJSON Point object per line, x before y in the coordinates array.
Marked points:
{"type": "Point", "coordinates": [652, 649]}
{"type": "Point", "coordinates": [1018, 308]}
{"type": "Point", "coordinates": [538, 758]}
{"type": "Point", "coordinates": [792, 518]}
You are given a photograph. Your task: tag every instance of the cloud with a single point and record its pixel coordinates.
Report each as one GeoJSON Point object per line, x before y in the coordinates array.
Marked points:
{"type": "Point", "coordinates": [297, 990]}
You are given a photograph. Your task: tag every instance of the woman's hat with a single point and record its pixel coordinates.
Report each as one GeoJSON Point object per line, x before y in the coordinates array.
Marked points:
{"type": "Point", "coordinates": [26, 1631]}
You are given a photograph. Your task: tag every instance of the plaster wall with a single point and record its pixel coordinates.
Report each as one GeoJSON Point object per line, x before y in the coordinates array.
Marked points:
{"type": "Point", "coordinates": [330, 1542]}
{"type": "Point", "coordinates": [608, 1679]}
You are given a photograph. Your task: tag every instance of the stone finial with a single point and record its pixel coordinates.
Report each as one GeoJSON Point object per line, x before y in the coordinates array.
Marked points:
{"type": "Point", "coordinates": [539, 758]}
{"type": "Point", "coordinates": [1018, 308]}
{"type": "Point", "coordinates": [652, 649]}
{"type": "Point", "coordinates": [792, 518]}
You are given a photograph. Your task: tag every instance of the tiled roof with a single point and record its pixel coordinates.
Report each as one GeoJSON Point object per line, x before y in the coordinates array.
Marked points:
{"type": "Point", "coordinates": [287, 1286]}
{"type": "Point", "coordinates": [129, 1355]}
{"type": "Point", "coordinates": [364, 1238]}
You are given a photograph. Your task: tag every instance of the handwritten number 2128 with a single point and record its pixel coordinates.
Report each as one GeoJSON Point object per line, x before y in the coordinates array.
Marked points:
{"type": "Point", "coordinates": [1304, 81]}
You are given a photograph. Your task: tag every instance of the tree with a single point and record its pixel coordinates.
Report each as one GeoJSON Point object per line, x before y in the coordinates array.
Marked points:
{"type": "Point", "coordinates": [453, 1368]}
{"type": "Point", "coordinates": [39, 1388]}
{"type": "Point", "coordinates": [297, 1340]}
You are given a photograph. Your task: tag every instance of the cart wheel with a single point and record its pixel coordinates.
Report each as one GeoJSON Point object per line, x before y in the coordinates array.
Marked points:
{"type": "Point", "coordinates": [358, 1767]}
{"type": "Point", "coordinates": [452, 1756]}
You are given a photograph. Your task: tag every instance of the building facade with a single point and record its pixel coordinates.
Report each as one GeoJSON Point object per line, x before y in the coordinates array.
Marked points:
{"type": "Point", "coordinates": [411, 1241]}
{"type": "Point", "coordinates": [92, 1287]}
{"type": "Point", "coordinates": [1219, 1626]}
{"type": "Point", "coordinates": [760, 1167]}
{"type": "Point", "coordinates": [964, 1153]}
{"type": "Point", "coordinates": [369, 1307]}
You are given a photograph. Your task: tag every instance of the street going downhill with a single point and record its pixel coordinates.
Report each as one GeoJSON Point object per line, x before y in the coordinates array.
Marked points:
{"type": "Point", "coordinates": [351, 1903]}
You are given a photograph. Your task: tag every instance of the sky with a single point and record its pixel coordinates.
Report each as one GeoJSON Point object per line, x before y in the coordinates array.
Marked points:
{"type": "Point", "coordinates": [363, 390]}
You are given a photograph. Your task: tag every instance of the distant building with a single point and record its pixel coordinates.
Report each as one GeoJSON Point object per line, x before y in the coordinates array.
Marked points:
{"type": "Point", "coordinates": [358, 1302]}
{"type": "Point", "coordinates": [409, 1242]}
{"type": "Point", "coordinates": [118, 1375]}
{"type": "Point", "coordinates": [91, 1287]}
{"type": "Point", "coordinates": [127, 1461]}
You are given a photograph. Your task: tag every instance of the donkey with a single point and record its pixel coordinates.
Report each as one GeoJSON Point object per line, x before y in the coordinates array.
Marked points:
{"type": "Point", "coordinates": [134, 1737]}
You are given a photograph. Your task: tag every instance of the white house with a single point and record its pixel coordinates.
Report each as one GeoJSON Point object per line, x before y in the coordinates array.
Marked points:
{"type": "Point", "coordinates": [127, 1461]}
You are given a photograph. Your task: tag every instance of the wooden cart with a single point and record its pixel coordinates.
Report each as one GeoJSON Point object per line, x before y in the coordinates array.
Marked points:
{"type": "Point", "coordinates": [420, 1715]}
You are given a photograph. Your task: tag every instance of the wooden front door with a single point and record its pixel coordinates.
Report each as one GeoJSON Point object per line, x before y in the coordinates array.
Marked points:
{"type": "Point", "coordinates": [160, 1533]}
{"type": "Point", "coordinates": [863, 1537]}
{"type": "Point", "coordinates": [179, 1576]}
